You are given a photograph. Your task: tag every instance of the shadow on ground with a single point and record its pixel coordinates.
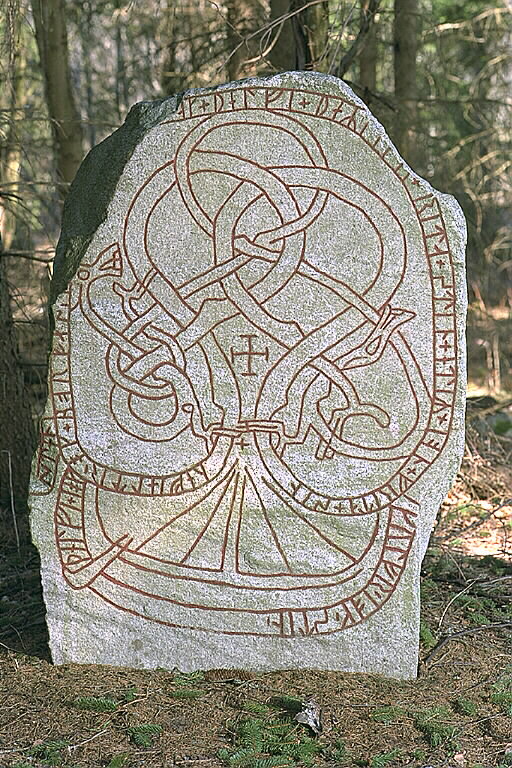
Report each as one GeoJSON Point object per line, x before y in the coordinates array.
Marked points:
{"type": "Point", "coordinates": [22, 612]}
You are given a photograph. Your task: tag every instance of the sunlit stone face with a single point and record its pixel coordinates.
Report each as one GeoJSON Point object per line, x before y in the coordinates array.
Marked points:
{"type": "Point", "coordinates": [255, 392]}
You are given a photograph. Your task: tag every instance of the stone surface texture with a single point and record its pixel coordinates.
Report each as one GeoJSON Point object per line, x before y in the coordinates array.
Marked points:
{"type": "Point", "coordinates": [256, 393]}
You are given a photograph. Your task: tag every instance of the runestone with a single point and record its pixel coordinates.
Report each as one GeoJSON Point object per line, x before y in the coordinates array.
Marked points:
{"type": "Point", "coordinates": [256, 388]}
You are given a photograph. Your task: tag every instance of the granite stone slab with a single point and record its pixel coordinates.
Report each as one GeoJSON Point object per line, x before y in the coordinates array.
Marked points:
{"type": "Point", "coordinates": [256, 388]}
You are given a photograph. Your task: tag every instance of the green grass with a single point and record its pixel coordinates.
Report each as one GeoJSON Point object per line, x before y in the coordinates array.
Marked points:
{"type": "Point", "coordinates": [256, 707]}
{"type": "Point", "coordinates": [118, 761]}
{"type": "Point", "coordinates": [188, 679]}
{"type": "Point", "coordinates": [384, 758]}
{"type": "Point", "coordinates": [130, 694]}
{"type": "Point", "coordinates": [465, 706]}
{"type": "Point", "coordinates": [427, 638]}
{"type": "Point", "coordinates": [290, 704]}
{"type": "Point", "coordinates": [501, 693]}
{"type": "Point", "coordinates": [428, 588]}
{"type": "Point", "coordinates": [105, 703]}
{"type": "Point", "coordinates": [495, 564]}
{"type": "Point", "coordinates": [338, 751]}
{"type": "Point", "coordinates": [186, 693]}
{"type": "Point", "coordinates": [483, 610]}
{"type": "Point", "coordinates": [183, 685]}
{"type": "Point", "coordinates": [49, 752]}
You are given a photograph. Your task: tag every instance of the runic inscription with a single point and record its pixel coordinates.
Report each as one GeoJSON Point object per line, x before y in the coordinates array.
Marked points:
{"type": "Point", "coordinates": [254, 370]}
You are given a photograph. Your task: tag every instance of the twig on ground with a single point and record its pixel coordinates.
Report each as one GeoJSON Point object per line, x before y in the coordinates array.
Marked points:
{"type": "Point", "coordinates": [453, 599]}
{"type": "Point", "coordinates": [475, 523]}
{"type": "Point", "coordinates": [7, 647]}
{"type": "Point", "coordinates": [470, 631]}
{"type": "Point", "coordinates": [449, 554]}
{"type": "Point", "coordinates": [73, 747]}
{"type": "Point", "coordinates": [481, 413]}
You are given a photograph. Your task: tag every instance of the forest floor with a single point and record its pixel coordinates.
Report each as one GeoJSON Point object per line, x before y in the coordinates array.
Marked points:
{"type": "Point", "coordinates": [458, 713]}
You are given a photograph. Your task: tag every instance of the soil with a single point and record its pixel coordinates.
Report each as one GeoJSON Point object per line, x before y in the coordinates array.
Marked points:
{"type": "Point", "coordinates": [458, 713]}
{"type": "Point", "coordinates": [367, 717]}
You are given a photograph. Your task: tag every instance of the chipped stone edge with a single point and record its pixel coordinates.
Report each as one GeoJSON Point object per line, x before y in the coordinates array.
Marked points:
{"type": "Point", "coordinates": [95, 184]}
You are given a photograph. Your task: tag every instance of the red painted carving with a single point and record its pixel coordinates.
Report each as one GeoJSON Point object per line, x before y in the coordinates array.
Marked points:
{"type": "Point", "coordinates": [248, 353]}
{"type": "Point", "coordinates": [266, 394]}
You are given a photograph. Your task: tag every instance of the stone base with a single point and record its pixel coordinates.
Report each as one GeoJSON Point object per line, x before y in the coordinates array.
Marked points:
{"type": "Point", "coordinates": [87, 633]}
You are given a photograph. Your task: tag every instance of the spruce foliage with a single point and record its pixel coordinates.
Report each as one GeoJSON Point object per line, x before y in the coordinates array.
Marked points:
{"type": "Point", "coordinates": [269, 739]}
{"type": "Point", "coordinates": [143, 735]}
{"type": "Point", "coordinates": [96, 703]}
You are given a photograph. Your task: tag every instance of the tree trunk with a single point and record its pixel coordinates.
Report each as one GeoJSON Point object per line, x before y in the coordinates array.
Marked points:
{"type": "Point", "coordinates": [368, 56]}
{"type": "Point", "coordinates": [243, 18]}
{"type": "Point", "coordinates": [87, 46]}
{"type": "Point", "coordinates": [367, 20]}
{"type": "Point", "coordinates": [16, 428]}
{"type": "Point", "coordinates": [405, 41]}
{"type": "Point", "coordinates": [316, 25]}
{"type": "Point", "coordinates": [52, 44]}
{"type": "Point", "coordinates": [10, 148]}
{"type": "Point", "coordinates": [122, 90]}
{"type": "Point", "coordinates": [283, 54]}
{"type": "Point", "coordinates": [300, 40]}
{"type": "Point", "coordinates": [168, 34]}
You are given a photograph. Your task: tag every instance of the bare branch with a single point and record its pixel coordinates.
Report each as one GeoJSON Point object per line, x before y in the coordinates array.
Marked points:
{"type": "Point", "coordinates": [266, 28]}
{"type": "Point", "coordinates": [490, 12]}
{"type": "Point", "coordinates": [463, 633]}
{"type": "Point", "coordinates": [360, 40]}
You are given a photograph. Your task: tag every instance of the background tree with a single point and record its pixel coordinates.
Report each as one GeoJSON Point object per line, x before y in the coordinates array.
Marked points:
{"type": "Point", "coordinates": [367, 57]}
{"type": "Point", "coordinates": [243, 17]}
{"type": "Point", "coordinates": [16, 427]}
{"type": "Point", "coordinates": [52, 42]}
{"type": "Point", "coordinates": [405, 45]}
{"type": "Point", "coordinates": [12, 103]}
{"type": "Point", "coordinates": [300, 36]}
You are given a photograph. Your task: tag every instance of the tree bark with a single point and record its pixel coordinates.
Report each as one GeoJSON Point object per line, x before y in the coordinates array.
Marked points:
{"type": "Point", "coordinates": [243, 18]}
{"type": "Point", "coordinates": [122, 90]}
{"type": "Point", "coordinates": [366, 24]}
{"type": "Point", "coordinates": [405, 44]}
{"type": "Point", "coordinates": [300, 40]}
{"type": "Point", "coordinates": [367, 58]}
{"type": "Point", "coordinates": [52, 44]}
{"type": "Point", "coordinates": [315, 20]}
{"type": "Point", "coordinates": [168, 42]}
{"type": "Point", "coordinates": [283, 54]}
{"type": "Point", "coordinates": [87, 45]}
{"type": "Point", "coordinates": [10, 148]}
{"type": "Point", "coordinates": [16, 427]}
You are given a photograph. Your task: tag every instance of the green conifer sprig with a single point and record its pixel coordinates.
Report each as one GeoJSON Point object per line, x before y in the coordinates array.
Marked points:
{"type": "Point", "coordinates": [96, 703]}
{"type": "Point", "coordinates": [269, 742]}
{"type": "Point", "coordinates": [143, 735]}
